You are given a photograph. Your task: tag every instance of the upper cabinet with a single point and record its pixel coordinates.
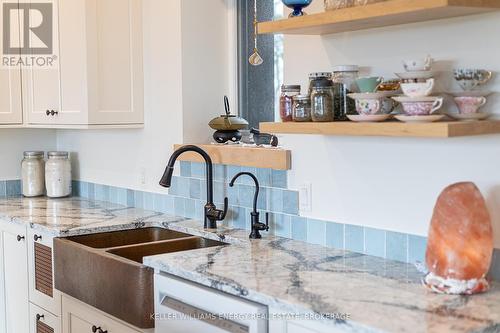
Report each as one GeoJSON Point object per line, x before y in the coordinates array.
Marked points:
{"type": "Point", "coordinates": [11, 112]}
{"type": "Point", "coordinates": [96, 78]}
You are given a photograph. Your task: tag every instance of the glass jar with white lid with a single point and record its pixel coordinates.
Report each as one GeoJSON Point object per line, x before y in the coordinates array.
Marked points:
{"type": "Point", "coordinates": [58, 174]}
{"type": "Point", "coordinates": [33, 174]}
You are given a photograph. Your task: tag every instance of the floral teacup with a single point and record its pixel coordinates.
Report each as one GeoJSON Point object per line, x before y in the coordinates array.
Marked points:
{"type": "Point", "coordinates": [368, 106]}
{"type": "Point", "coordinates": [415, 65]}
{"type": "Point", "coordinates": [422, 108]}
{"type": "Point", "coordinates": [468, 105]}
{"type": "Point", "coordinates": [419, 89]}
{"type": "Point", "coordinates": [469, 79]}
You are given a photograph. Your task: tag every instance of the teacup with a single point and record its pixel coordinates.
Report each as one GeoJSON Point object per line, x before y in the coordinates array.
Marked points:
{"type": "Point", "coordinates": [369, 84]}
{"type": "Point", "coordinates": [422, 108]}
{"type": "Point", "coordinates": [368, 106]}
{"type": "Point", "coordinates": [415, 65]}
{"type": "Point", "coordinates": [469, 79]}
{"type": "Point", "coordinates": [419, 89]}
{"type": "Point", "coordinates": [468, 105]}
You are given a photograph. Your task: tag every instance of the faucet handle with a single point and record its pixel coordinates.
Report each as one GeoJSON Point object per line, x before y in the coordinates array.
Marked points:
{"type": "Point", "coordinates": [222, 213]}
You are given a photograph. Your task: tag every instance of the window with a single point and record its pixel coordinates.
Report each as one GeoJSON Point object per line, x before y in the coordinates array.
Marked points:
{"type": "Point", "coordinates": [258, 86]}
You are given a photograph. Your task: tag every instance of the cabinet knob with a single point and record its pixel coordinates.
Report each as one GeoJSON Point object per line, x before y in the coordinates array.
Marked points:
{"type": "Point", "coordinates": [53, 113]}
{"type": "Point", "coordinates": [20, 238]}
{"type": "Point", "coordinates": [47, 112]}
{"type": "Point", "coordinates": [36, 238]}
{"type": "Point", "coordinates": [39, 316]}
{"type": "Point", "coordinates": [96, 329]}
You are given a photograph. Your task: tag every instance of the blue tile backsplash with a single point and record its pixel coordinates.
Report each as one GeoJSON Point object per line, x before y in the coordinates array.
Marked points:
{"type": "Point", "coordinates": [188, 194]}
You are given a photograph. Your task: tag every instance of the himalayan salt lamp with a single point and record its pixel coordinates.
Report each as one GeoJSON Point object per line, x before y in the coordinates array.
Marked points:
{"type": "Point", "coordinates": [460, 243]}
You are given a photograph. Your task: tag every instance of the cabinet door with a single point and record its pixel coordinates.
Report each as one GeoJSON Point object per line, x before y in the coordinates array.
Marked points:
{"type": "Point", "coordinates": [15, 270]}
{"type": "Point", "coordinates": [41, 272]}
{"type": "Point", "coordinates": [78, 317]}
{"type": "Point", "coordinates": [62, 87]}
{"type": "Point", "coordinates": [114, 41]}
{"type": "Point", "coordinates": [42, 321]}
{"type": "Point", "coordinates": [11, 111]}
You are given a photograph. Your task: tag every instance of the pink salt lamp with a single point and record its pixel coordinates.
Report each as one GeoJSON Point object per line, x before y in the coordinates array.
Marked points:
{"type": "Point", "coordinates": [460, 243]}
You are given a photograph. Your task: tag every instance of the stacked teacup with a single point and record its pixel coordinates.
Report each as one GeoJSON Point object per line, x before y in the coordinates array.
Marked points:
{"type": "Point", "coordinates": [372, 105]}
{"type": "Point", "coordinates": [471, 99]}
{"type": "Point", "coordinates": [417, 84]}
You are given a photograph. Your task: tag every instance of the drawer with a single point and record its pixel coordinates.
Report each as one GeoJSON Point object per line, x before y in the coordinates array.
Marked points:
{"type": "Point", "coordinates": [42, 321]}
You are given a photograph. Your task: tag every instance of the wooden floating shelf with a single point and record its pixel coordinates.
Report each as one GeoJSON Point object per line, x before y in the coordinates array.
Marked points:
{"type": "Point", "coordinates": [392, 128]}
{"type": "Point", "coordinates": [381, 14]}
{"type": "Point", "coordinates": [271, 158]}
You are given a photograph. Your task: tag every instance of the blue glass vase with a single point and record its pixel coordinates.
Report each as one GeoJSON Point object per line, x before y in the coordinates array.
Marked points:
{"type": "Point", "coordinates": [297, 6]}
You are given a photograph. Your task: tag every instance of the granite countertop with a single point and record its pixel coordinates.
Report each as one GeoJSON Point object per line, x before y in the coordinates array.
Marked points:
{"type": "Point", "coordinates": [366, 294]}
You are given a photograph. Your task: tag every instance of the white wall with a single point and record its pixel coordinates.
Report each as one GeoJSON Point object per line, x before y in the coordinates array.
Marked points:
{"type": "Point", "coordinates": [13, 142]}
{"type": "Point", "coordinates": [186, 75]}
{"type": "Point", "coordinates": [392, 183]}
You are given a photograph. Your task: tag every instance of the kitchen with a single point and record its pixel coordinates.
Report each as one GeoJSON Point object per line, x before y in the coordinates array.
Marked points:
{"type": "Point", "coordinates": [342, 243]}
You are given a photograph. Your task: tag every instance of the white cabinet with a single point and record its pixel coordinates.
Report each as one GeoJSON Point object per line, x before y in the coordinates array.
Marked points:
{"type": "Point", "coordinates": [41, 272]}
{"type": "Point", "coordinates": [15, 277]}
{"type": "Point", "coordinates": [282, 323]}
{"type": "Point", "coordinates": [78, 317]}
{"type": "Point", "coordinates": [11, 112]}
{"type": "Point", "coordinates": [182, 307]}
{"type": "Point", "coordinates": [98, 79]}
{"type": "Point", "coordinates": [42, 321]}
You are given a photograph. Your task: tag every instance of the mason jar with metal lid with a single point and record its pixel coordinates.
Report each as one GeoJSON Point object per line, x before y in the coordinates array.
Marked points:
{"type": "Point", "coordinates": [322, 104]}
{"type": "Point", "coordinates": [302, 108]}
{"type": "Point", "coordinates": [58, 174]}
{"type": "Point", "coordinates": [33, 174]}
{"type": "Point", "coordinates": [319, 79]}
{"type": "Point", "coordinates": [286, 101]}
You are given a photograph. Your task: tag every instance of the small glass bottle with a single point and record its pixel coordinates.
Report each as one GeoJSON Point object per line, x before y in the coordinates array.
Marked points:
{"type": "Point", "coordinates": [286, 101]}
{"type": "Point", "coordinates": [302, 108]}
{"type": "Point", "coordinates": [33, 174]}
{"type": "Point", "coordinates": [344, 83]}
{"type": "Point", "coordinates": [322, 104]}
{"type": "Point", "coordinates": [58, 174]}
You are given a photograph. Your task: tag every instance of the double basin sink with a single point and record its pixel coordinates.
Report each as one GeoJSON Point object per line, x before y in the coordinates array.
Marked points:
{"type": "Point", "coordinates": [106, 270]}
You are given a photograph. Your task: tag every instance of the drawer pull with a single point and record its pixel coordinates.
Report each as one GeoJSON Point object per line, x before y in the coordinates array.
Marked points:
{"type": "Point", "coordinates": [20, 238]}
{"type": "Point", "coordinates": [39, 316]}
{"type": "Point", "coordinates": [36, 238]}
{"type": "Point", "coordinates": [202, 315]}
{"type": "Point", "coordinates": [96, 329]}
{"type": "Point", "coordinates": [47, 112]}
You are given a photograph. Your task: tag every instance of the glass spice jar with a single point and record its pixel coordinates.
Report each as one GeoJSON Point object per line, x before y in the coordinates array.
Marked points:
{"type": "Point", "coordinates": [302, 108]}
{"type": "Point", "coordinates": [286, 101]}
{"type": "Point", "coordinates": [58, 174]}
{"type": "Point", "coordinates": [344, 82]}
{"type": "Point", "coordinates": [322, 104]}
{"type": "Point", "coordinates": [33, 174]}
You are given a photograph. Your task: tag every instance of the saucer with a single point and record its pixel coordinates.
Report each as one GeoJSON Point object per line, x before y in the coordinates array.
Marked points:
{"type": "Point", "coordinates": [471, 93]}
{"type": "Point", "coordinates": [360, 118]}
{"type": "Point", "coordinates": [406, 99]}
{"type": "Point", "coordinates": [420, 119]}
{"type": "Point", "coordinates": [424, 75]}
{"type": "Point", "coordinates": [374, 95]}
{"type": "Point", "coordinates": [470, 116]}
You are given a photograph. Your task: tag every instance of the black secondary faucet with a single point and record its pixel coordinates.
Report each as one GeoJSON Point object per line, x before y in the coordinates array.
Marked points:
{"type": "Point", "coordinates": [212, 214]}
{"type": "Point", "coordinates": [256, 225]}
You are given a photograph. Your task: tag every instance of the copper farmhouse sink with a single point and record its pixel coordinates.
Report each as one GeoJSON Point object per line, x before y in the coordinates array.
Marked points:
{"type": "Point", "coordinates": [106, 271]}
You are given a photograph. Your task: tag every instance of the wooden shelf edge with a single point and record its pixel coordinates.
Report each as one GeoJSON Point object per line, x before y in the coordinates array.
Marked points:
{"type": "Point", "coordinates": [387, 129]}
{"type": "Point", "coordinates": [377, 15]}
{"type": "Point", "coordinates": [255, 157]}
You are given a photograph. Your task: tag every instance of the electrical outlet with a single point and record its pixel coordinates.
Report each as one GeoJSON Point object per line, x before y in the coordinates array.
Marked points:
{"type": "Point", "coordinates": [305, 197]}
{"type": "Point", "coordinates": [142, 176]}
